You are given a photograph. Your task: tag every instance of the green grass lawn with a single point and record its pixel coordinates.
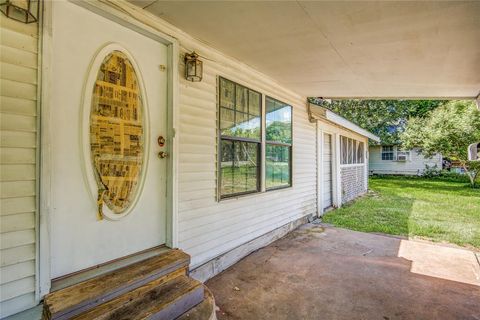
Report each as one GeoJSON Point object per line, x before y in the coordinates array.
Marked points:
{"type": "Point", "coordinates": [438, 210]}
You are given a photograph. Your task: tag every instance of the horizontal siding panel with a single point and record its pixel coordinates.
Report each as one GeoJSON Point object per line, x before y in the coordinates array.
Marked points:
{"type": "Point", "coordinates": [18, 57]}
{"type": "Point", "coordinates": [18, 73]}
{"type": "Point", "coordinates": [228, 209]}
{"type": "Point", "coordinates": [195, 177]}
{"type": "Point", "coordinates": [30, 29]}
{"type": "Point", "coordinates": [17, 271]}
{"type": "Point", "coordinates": [206, 209]}
{"type": "Point", "coordinates": [17, 238]}
{"type": "Point", "coordinates": [17, 106]}
{"type": "Point", "coordinates": [228, 223]}
{"type": "Point", "coordinates": [17, 222]}
{"type": "Point", "coordinates": [203, 185]}
{"type": "Point", "coordinates": [12, 189]}
{"type": "Point", "coordinates": [17, 255]}
{"type": "Point", "coordinates": [201, 109]}
{"type": "Point", "coordinates": [16, 122]}
{"type": "Point", "coordinates": [18, 139]}
{"type": "Point", "coordinates": [16, 288]}
{"type": "Point", "coordinates": [17, 156]}
{"type": "Point", "coordinates": [16, 172]}
{"type": "Point", "coordinates": [17, 205]}
{"type": "Point", "coordinates": [208, 147]}
{"type": "Point", "coordinates": [19, 303]}
{"type": "Point", "coordinates": [198, 154]}
{"type": "Point", "coordinates": [15, 89]}
{"type": "Point", "coordinates": [18, 40]}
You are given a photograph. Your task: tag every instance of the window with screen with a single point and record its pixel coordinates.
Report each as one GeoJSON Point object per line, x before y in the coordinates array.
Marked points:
{"type": "Point", "coordinates": [240, 139]}
{"type": "Point", "coordinates": [278, 147]}
{"type": "Point", "coordinates": [352, 151]}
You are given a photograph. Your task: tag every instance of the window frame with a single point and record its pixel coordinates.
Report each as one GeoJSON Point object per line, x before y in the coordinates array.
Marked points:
{"type": "Point", "coordinates": [392, 152]}
{"type": "Point", "coordinates": [221, 137]}
{"type": "Point", "coordinates": [282, 144]}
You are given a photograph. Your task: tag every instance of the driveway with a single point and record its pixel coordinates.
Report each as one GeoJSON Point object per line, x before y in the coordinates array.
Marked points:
{"type": "Point", "coordinates": [322, 272]}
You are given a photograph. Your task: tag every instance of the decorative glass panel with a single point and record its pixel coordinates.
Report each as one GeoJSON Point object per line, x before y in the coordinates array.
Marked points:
{"type": "Point", "coordinates": [117, 132]}
{"type": "Point", "coordinates": [278, 121]}
{"type": "Point", "coordinates": [277, 166]}
{"type": "Point", "coordinates": [239, 167]}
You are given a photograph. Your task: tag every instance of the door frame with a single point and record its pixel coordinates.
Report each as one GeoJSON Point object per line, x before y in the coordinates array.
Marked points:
{"type": "Point", "coordinates": [112, 12]}
{"type": "Point", "coordinates": [320, 183]}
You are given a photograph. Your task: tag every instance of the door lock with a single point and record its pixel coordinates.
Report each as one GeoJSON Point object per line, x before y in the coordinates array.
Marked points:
{"type": "Point", "coordinates": [162, 154]}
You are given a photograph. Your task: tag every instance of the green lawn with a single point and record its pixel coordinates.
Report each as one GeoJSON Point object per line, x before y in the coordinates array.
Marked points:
{"type": "Point", "coordinates": [438, 210]}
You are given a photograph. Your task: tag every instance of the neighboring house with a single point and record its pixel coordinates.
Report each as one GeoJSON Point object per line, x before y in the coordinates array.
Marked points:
{"type": "Point", "coordinates": [132, 157]}
{"type": "Point", "coordinates": [390, 159]}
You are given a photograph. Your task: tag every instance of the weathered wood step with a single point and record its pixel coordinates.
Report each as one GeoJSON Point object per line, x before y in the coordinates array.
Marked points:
{"type": "Point", "coordinates": [205, 310]}
{"type": "Point", "coordinates": [155, 300]}
{"type": "Point", "coordinates": [73, 300]}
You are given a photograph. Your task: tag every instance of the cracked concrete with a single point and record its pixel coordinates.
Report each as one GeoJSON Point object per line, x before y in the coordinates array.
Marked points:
{"type": "Point", "coordinates": [322, 272]}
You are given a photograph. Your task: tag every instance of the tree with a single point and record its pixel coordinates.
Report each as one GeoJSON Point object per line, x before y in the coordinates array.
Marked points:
{"type": "Point", "coordinates": [384, 118]}
{"type": "Point", "coordinates": [447, 130]}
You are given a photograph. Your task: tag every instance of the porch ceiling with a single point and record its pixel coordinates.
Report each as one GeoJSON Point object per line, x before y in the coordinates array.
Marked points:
{"type": "Point", "coordinates": [343, 49]}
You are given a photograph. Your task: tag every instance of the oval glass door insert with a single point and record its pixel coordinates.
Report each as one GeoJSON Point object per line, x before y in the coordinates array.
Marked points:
{"type": "Point", "coordinates": [117, 132]}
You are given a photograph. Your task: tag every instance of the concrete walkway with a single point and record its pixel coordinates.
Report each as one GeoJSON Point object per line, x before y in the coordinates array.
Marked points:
{"type": "Point", "coordinates": [322, 272]}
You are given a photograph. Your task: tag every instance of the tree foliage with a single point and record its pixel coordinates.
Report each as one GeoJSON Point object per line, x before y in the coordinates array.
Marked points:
{"type": "Point", "coordinates": [448, 130]}
{"type": "Point", "coordinates": [384, 118]}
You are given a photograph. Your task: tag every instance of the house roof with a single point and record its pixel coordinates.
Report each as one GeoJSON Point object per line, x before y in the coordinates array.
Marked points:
{"type": "Point", "coordinates": [320, 113]}
{"type": "Point", "coordinates": [343, 49]}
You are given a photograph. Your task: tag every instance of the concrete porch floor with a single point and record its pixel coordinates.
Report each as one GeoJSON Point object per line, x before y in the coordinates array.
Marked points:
{"type": "Point", "coordinates": [322, 272]}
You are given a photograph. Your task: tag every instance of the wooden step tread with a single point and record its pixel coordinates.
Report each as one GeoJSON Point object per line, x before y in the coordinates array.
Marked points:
{"type": "Point", "coordinates": [155, 300]}
{"type": "Point", "coordinates": [85, 295]}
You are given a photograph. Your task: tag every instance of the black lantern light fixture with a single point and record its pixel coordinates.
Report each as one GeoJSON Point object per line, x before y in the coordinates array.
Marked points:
{"type": "Point", "coordinates": [25, 11]}
{"type": "Point", "coordinates": [193, 67]}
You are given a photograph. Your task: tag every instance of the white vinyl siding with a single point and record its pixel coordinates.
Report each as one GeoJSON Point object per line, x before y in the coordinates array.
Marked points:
{"type": "Point", "coordinates": [208, 228]}
{"type": "Point", "coordinates": [413, 165]}
{"type": "Point", "coordinates": [18, 139]}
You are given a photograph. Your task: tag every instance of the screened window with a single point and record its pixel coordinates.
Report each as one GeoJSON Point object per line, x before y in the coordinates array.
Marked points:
{"type": "Point", "coordinates": [240, 139]}
{"type": "Point", "coordinates": [387, 153]}
{"type": "Point", "coordinates": [352, 151]}
{"type": "Point", "coordinates": [278, 148]}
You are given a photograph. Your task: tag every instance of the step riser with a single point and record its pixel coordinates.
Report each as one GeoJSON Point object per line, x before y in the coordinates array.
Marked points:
{"type": "Point", "coordinates": [166, 276]}
{"type": "Point", "coordinates": [178, 308]}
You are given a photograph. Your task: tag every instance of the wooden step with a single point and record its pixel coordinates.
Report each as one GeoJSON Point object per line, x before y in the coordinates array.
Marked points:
{"type": "Point", "coordinates": [158, 299]}
{"type": "Point", "coordinates": [205, 310]}
{"type": "Point", "coordinates": [73, 300]}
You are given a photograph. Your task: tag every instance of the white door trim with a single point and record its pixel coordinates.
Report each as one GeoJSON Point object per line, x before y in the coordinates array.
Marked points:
{"type": "Point", "coordinates": [320, 157]}
{"type": "Point", "coordinates": [43, 280]}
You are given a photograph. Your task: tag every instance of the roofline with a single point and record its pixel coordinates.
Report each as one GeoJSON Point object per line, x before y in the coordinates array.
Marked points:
{"type": "Point", "coordinates": [341, 121]}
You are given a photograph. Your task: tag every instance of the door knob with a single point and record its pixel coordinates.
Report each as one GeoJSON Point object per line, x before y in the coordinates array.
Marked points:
{"type": "Point", "coordinates": [162, 154]}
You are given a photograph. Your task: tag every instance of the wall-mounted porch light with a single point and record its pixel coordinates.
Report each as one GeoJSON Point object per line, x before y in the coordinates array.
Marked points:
{"type": "Point", "coordinates": [25, 11]}
{"type": "Point", "coordinates": [193, 67]}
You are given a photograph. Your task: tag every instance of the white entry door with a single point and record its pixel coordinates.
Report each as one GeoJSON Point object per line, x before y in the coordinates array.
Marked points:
{"type": "Point", "coordinates": [109, 99]}
{"type": "Point", "coordinates": [327, 171]}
